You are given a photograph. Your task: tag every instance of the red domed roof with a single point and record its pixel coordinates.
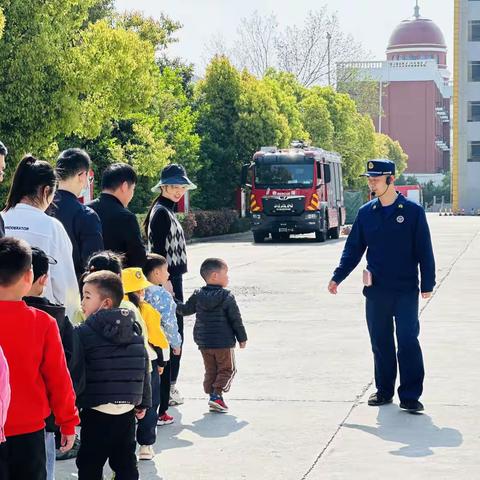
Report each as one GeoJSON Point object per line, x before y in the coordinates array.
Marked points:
{"type": "Point", "coordinates": [417, 31]}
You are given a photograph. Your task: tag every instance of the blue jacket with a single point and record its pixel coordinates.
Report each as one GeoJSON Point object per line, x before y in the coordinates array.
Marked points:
{"type": "Point", "coordinates": [163, 302]}
{"type": "Point", "coordinates": [82, 225]}
{"type": "Point", "coordinates": [397, 243]}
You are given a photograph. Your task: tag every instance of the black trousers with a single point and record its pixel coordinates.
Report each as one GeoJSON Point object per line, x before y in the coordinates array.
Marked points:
{"type": "Point", "coordinates": [107, 437]}
{"type": "Point", "coordinates": [177, 284]}
{"type": "Point", "coordinates": [165, 387]}
{"type": "Point", "coordinates": [23, 457]}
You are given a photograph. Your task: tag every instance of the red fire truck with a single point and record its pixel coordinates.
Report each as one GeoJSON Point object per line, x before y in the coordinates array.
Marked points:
{"type": "Point", "coordinates": [295, 190]}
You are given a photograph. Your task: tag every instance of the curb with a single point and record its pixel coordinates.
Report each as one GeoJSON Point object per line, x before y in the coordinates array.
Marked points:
{"type": "Point", "coordinates": [228, 236]}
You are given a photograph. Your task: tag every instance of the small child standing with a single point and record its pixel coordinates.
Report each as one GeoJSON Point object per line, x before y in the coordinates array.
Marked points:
{"type": "Point", "coordinates": [115, 380]}
{"type": "Point", "coordinates": [134, 284]}
{"type": "Point", "coordinates": [218, 326]}
{"type": "Point", "coordinates": [39, 379]}
{"type": "Point", "coordinates": [156, 271]}
{"type": "Point", "coordinates": [34, 298]}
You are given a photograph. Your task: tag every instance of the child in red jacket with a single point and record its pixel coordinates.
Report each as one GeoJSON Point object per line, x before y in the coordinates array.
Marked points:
{"type": "Point", "coordinates": [39, 378]}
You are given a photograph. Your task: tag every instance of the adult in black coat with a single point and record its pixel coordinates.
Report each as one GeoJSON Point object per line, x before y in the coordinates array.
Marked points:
{"type": "Point", "coordinates": [121, 232]}
{"type": "Point", "coordinates": [166, 237]}
{"type": "Point", "coordinates": [3, 154]}
{"type": "Point", "coordinates": [81, 222]}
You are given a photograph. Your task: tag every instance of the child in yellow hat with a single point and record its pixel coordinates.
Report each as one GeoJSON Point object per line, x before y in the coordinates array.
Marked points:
{"type": "Point", "coordinates": [134, 284]}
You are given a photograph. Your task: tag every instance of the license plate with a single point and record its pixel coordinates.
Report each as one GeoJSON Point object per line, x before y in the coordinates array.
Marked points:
{"type": "Point", "coordinates": [282, 230]}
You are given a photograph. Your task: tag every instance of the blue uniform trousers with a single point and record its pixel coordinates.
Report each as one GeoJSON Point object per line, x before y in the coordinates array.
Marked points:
{"type": "Point", "coordinates": [382, 307]}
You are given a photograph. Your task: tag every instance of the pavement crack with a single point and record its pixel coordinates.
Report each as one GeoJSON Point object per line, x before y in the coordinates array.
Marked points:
{"type": "Point", "coordinates": [337, 430]}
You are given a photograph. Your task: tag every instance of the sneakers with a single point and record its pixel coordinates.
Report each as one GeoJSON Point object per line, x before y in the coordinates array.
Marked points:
{"type": "Point", "coordinates": [217, 404]}
{"type": "Point", "coordinates": [377, 399]}
{"type": "Point", "coordinates": [146, 452]}
{"type": "Point", "coordinates": [165, 419]}
{"type": "Point", "coordinates": [175, 397]}
{"type": "Point", "coordinates": [412, 406]}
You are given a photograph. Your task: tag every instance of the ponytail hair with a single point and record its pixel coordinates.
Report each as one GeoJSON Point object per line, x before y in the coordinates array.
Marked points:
{"type": "Point", "coordinates": [31, 179]}
{"type": "Point", "coordinates": [146, 222]}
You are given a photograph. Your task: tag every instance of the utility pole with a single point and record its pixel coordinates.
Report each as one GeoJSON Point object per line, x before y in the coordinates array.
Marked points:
{"type": "Point", "coordinates": [329, 38]}
{"type": "Point", "coordinates": [380, 109]}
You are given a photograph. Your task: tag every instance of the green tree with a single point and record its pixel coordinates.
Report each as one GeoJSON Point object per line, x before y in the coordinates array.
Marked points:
{"type": "Point", "coordinates": [217, 100]}
{"type": "Point", "coordinates": [32, 88]}
{"type": "Point", "coordinates": [260, 121]}
{"type": "Point", "coordinates": [385, 147]}
{"type": "Point", "coordinates": [2, 22]}
{"type": "Point", "coordinates": [111, 74]}
{"type": "Point", "coordinates": [353, 134]}
{"type": "Point", "coordinates": [284, 90]}
{"type": "Point", "coordinates": [316, 120]}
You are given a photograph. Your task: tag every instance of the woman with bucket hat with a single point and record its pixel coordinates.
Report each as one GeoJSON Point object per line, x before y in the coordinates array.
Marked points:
{"type": "Point", "coordinates": [166, 237]}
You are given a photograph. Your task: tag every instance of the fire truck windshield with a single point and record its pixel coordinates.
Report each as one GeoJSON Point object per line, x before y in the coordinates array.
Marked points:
{"type": "Point", "coordinates": [284, 175]}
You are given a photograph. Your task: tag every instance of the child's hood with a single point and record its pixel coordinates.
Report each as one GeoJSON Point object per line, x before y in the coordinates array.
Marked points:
{"type": "Point", "coordinates": [118, 325]}
{"type": "Point", "coordinates": [211, 297]}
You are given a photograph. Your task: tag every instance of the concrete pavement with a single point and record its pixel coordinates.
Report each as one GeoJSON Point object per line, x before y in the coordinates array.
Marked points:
{"type": "Point", "coordinates": [297, 406]}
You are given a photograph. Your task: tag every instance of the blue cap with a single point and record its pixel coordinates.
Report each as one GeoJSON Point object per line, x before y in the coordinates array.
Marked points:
{"type": "Point", "coordinates": [379, 167]}
{"type": "Point", "coordinates": [174, 174]}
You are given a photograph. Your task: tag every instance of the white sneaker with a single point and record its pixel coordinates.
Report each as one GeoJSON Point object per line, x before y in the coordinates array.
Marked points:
{"type": "Point", "coordinates": [146, 452]}
{"type": "Point", "coordinates": [175, 397]}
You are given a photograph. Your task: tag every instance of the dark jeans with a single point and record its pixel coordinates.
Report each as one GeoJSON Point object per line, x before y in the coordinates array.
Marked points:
{"type": "Point", "coordinates": [23, 457]}
{"type": "Point", "coordinates": [177, 284]}
{"type": "Point", "coordinates": [107, 437]}
{"type": "Point", "coordinates": [147, 426]}
{"type": "Point", "coordinates": [382, 307]}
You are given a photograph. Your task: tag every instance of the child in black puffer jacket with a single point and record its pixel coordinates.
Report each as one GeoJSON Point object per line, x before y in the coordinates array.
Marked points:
{"type": "Point", "coordinates": [218, 327]}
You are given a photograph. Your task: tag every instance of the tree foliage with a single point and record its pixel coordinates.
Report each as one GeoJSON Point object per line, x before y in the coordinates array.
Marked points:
{"type": "Point", "coordinates": [385, 147]}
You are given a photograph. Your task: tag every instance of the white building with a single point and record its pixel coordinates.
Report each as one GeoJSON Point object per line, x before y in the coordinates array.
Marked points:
{"type": "Point", "coordinates": [466, 106]}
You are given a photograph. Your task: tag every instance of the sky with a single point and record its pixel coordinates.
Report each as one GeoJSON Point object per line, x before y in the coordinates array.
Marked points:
{"type": "Point", "coordinates": [370, 22]}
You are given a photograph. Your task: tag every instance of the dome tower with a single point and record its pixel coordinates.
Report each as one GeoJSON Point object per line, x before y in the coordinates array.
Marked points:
{"type": "Point", "coordinates": [418, 38]}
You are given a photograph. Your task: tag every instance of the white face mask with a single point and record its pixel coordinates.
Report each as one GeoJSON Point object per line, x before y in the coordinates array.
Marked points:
{"type": "Point", "coordinates": [100, 307]}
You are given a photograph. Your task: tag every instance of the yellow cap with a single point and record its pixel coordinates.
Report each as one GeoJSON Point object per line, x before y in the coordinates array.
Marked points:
{"type": "Point", "coordinates": [134, 280]}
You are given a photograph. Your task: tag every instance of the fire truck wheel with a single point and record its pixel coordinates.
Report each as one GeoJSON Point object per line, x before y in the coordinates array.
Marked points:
{"type": "Point", "coordinates": [258, 237]}
{"type": "Point", "coordinates": [334, 232]}
{"type": "Point", "coordinates": [321, 235]}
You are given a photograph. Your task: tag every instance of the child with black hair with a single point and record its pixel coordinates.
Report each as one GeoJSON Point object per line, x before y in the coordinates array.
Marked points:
{"type": "Point", "coordinates": [35, 298]}
{"type": "Point", "coordinates": [134, 284]}
{"type": "Point", "coordinates": [39, 378]}
{"type": "Point", "coordinates": [114, 381]}
{"type": "Point", "coordinates": [218, 326]}
{"type": "Point", "coordinates": [156, 271]}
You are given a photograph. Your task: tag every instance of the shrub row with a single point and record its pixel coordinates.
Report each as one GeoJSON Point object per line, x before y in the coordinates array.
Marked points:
{"type": "Point", "coordinates": [209, 223]}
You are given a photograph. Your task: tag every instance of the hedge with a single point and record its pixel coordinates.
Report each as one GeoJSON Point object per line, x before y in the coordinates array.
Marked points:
{"type": "Point", "coordinates": [209, 223]}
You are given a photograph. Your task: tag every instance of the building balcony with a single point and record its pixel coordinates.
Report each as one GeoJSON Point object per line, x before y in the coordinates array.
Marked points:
{"type": "Point", "coordinates": [442, 114]}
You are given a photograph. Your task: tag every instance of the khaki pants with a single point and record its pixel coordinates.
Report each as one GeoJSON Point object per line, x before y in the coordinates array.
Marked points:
{"type": "Point", "coordinates": [219, 369]}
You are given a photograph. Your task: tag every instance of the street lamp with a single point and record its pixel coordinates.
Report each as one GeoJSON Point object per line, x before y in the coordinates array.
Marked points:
{"type": "Point", "coordinates": [329, 38]}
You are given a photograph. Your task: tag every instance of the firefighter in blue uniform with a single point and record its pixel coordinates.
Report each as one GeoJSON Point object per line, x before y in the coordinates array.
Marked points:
{"type": "Point", "coordinates": [394, 232]}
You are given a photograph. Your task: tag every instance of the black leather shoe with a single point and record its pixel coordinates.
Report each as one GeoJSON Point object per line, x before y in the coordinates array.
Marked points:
{"type": "Point", "coordinates": [412, 406]}
{"type": "Point", "coordinates": [376, 399]}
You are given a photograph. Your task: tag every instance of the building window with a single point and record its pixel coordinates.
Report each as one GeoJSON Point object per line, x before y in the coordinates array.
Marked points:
{"type": "Point", "coordinates": [474, 71]}
{"type": "Point", "coordinates": [474, 111]}
{"type": "Point", "coordinates": [474, 31]}
{"type": "Point", "coordinates": [473, 152]}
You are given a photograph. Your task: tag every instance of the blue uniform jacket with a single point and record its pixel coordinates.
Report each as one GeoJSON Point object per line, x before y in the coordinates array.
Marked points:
{"type": "Point", "coordinates": [82, 225]}
{"type": "Point", "coordinates": [396, 243]}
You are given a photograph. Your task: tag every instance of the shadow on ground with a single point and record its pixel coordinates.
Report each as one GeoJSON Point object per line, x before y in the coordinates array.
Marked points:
{"type": "Point", "coordinates": [418, 433]}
